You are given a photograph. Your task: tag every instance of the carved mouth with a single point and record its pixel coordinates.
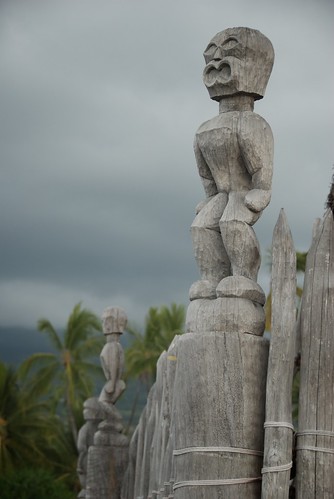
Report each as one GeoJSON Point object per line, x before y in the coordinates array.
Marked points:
{"type": "Point", "coordinates": [217, 71]}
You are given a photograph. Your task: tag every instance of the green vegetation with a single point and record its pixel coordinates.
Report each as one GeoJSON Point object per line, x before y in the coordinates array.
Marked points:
{"type": "Point", "coordinates": [31, 433]}
{"type": "Point", "coordinates": [33, 484]}
{"type": "Point", "coordinates": [41, 409]}
{"type": "Point", "coordinates": [70, 373]}
{"type": "Point", "coordinates": [41, 401]}
{"type": "Point", "coordinates": [161, 325]}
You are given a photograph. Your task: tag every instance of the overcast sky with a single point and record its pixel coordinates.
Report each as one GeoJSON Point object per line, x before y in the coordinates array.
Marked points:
{"type": "Point", "coordinates": [100, 101]}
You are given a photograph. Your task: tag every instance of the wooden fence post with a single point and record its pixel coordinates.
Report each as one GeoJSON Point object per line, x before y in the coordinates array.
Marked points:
{"type": "Point", "coordinates": [315, 438]}
{"type": "Point", "coordinates": [277, 461]}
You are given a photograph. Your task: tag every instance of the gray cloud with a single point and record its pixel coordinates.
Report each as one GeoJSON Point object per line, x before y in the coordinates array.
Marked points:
{"type": "Point", "coordinates": [100, 102]}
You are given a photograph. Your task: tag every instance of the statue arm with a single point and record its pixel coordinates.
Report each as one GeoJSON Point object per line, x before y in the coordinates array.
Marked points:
{"type": "Point", "coordinates": [109, 362]}
{"type": "Point", "coordinates": [257, 147]}
{"type": "Point", "coordinates": [204, 172]}
{"type": "Point", "coordinates": [82, 442]}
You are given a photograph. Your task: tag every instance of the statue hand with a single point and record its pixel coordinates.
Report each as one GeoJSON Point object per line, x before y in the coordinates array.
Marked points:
{"type": "Point", "coordinates": [110, 386]}
{"type": "Point", "coordinates": [257, 199]}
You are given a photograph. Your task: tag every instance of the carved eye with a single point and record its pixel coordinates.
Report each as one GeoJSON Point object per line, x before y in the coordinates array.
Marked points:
{"type": "Point", "coordinates": [209, 52]}
{"type": "Point", "coordinates": [230, 43]}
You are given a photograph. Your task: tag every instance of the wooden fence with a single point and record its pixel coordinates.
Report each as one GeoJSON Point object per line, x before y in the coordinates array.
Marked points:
{"type": "Point", "coordinates": [218, 420]}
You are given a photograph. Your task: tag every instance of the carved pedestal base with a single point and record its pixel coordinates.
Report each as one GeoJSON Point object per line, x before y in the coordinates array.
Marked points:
{"type": "Point", "coordinates": [218, 414]}
{"type": "Point", "coordinates": [226, 314]}
{"type": "Point", "coordinates": [234, 305]}
{"type": "Point", "coordinates": [107, 461]}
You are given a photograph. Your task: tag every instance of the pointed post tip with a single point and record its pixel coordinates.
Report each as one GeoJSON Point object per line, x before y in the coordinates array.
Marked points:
{"type": "Point", "coordinates": [282, 224]}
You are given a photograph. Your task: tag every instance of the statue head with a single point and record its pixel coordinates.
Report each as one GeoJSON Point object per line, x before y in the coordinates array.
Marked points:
{"type": "Point", "coordinates": [238, 61]}
{"type": "Point", "coordinates": [114, 320]}
{"type": "Point", "coordinates": [92, 410]}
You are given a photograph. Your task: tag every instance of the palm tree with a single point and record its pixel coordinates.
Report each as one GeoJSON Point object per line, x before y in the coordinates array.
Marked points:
{"type": "Point", "coordinates": [26, 424]}
{"type": "Point", "coordinates": [69, 372]}
{"type": "Point", "coordinates": [161, 325]}
{"type": "Point", "coordinates": [32, 436]}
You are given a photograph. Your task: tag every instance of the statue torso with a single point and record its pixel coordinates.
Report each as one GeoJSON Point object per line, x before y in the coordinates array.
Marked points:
{"type": "Point", "coordinates": [219, 145]}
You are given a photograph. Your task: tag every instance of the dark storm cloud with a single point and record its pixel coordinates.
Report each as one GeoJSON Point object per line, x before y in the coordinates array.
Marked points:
{"type": "Point", "coordinates": [99, 104]}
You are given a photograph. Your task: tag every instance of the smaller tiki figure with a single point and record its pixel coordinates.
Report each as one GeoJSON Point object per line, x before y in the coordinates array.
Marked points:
{"type": "Point", "coordinates": [114, 322]}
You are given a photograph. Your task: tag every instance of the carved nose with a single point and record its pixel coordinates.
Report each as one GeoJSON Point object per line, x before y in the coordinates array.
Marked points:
{"type": "Point", "coordinates": [217, 54]}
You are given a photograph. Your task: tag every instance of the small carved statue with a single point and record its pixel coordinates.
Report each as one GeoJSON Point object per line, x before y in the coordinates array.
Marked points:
{"type": "Point", "coordinates": [234, 154]}
{"type": "Point", "coordinates": [108, 456]}
{"type": "Point", "coordinates": [114, 321]}
{"type": "Point", "coordinates": [93, 415]}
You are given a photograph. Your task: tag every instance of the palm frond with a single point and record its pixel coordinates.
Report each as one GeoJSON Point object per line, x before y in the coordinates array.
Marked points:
{"type": "Point", "coordinates": [81, 324]}
{"type": "Point", "coordinates": [35, 361]}
{"type": "Point", "coordinates": [8, 390]}
{"type": "Point", "coordinates": [90, 347]}
{"type": "Point", "coordinates": [161, 325]}
{"type": "Point", "coordinates": [90, 369]}
{"type": "Point", "coordinates": [45, 326]}
{"type": "Point", "coordinates": [42, 380]}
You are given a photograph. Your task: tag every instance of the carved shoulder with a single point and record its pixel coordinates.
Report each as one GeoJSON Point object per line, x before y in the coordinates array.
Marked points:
{"type": "Point", "coordinates": [205, 126]}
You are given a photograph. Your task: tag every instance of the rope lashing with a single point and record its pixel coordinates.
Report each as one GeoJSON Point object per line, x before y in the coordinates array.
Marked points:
{"type": "Point", "coordinates": [236, 450]}
{"type": "Point", "coordinates": [231, 481]}
{"type": "Point", "coordinates": [278, 424]}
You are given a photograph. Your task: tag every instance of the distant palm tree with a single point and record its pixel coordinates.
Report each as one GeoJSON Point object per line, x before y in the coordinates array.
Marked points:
{"type": "Point", "coordinates": [31, 434]}
{"type": "Point", "coordinates": [69, 372]}
{"type": "Point", "coordinates": [161, 325]}
{"type": "Point", "coordinates": [25, 424]}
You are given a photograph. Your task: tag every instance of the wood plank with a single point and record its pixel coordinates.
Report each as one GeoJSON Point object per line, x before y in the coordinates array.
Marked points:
{"type": "Point", "coordinates": [278, 436]}
{"type": "Point", "coordinates": [219, 409]}
{"type": "Point", "coordinates": [315, 468]}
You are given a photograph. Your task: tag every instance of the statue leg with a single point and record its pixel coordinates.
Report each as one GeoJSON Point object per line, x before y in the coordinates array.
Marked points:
{"type": "Point", "coordinates": [210, 254]}
{"type": "Point", "coordinates": [119, 389]}
{"type": "Point", "coordinates": [239, 237]}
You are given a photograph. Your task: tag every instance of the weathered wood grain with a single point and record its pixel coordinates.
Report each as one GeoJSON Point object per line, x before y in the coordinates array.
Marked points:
{"type": "Point", "coordinates": [315, 444]}
{"type": "Point", "coordinates": [107, 463]}
{"type": "Point", "coordinates": [219, 403]}
{"type": "Point", "coordinates": [278, 435]}
{"type": "Point", "coordinates": [129, 477]}
{"type": "Point", "coordinates": [157, 444]}
{"type": "Point", "coordinates": [166, 470]}
{"type": "Point", "coordinates": [144, 469]}
{"type": "Point", "coordinates": [150, 469]}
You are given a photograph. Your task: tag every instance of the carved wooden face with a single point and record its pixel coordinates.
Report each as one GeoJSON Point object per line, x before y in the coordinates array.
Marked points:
{"type": "Point", "coordinates": [114, 320]}
{"type": "Point", "coordinates": [238, 60]}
